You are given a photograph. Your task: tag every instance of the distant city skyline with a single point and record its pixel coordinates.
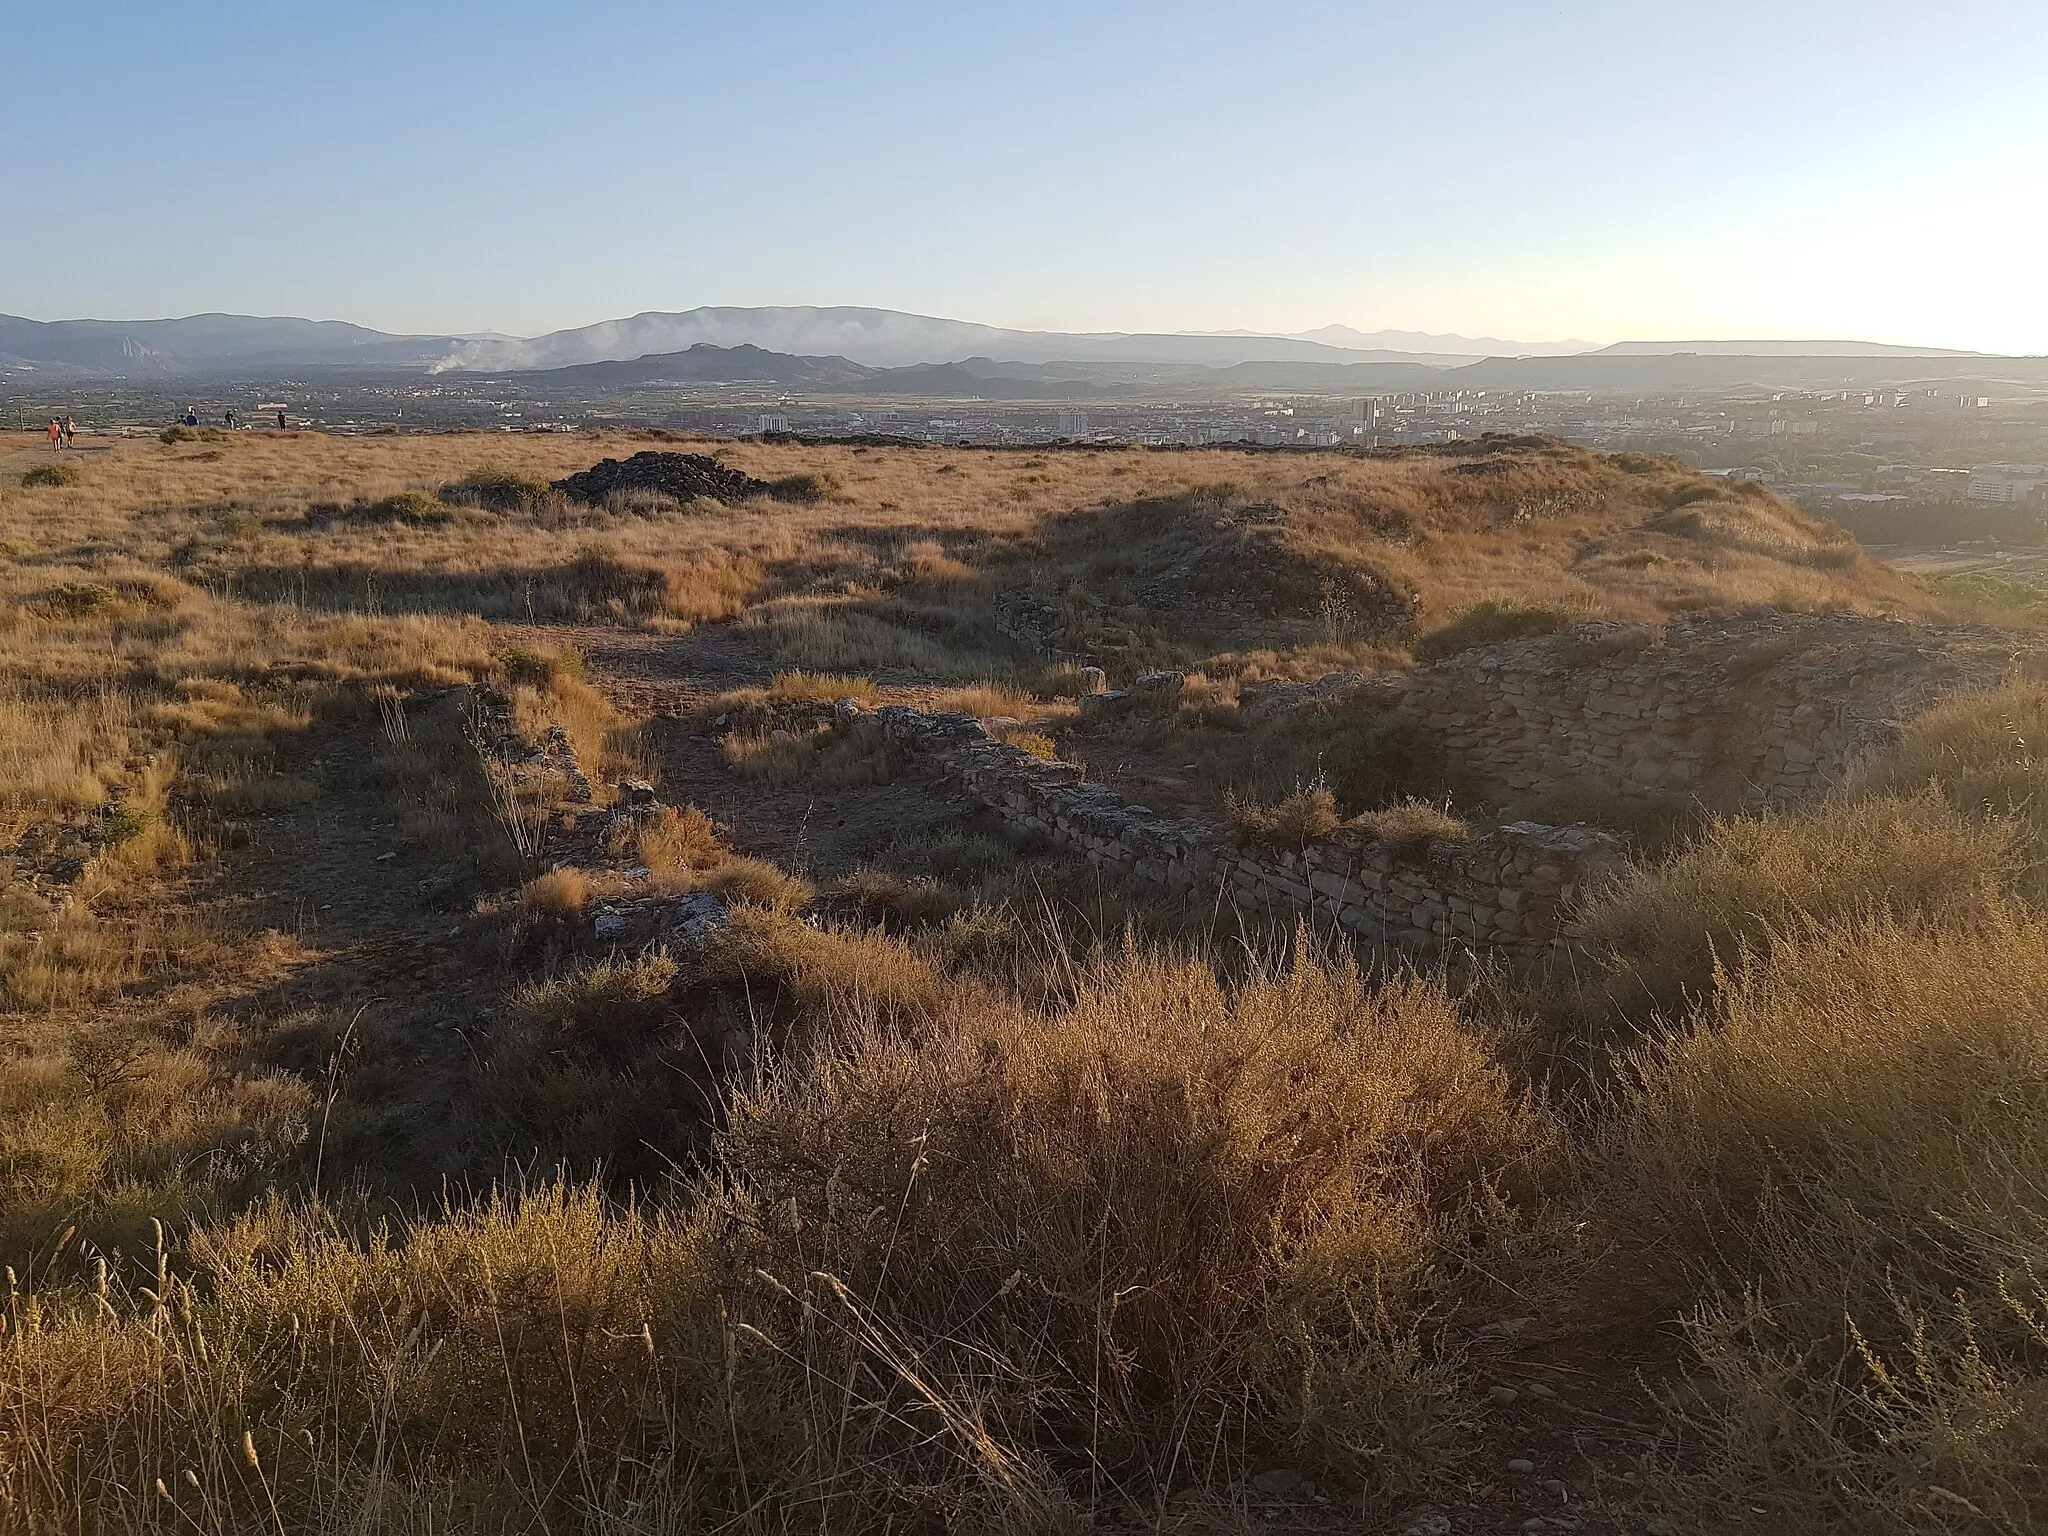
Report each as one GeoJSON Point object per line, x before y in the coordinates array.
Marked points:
{"type": "Point", "coordinates": [1604, 170]}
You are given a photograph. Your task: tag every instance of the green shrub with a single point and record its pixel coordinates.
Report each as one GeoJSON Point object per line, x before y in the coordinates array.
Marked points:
{"type": "Point", "coordinates": [496, 490]}
{"type": "Point", "coordinates": [125, 823]}
{"type": "Point", "coordinates": [804, 489]}
{"type": "Point", "coordinates": [540, 669]}
{"type": "Point", "coordinates": [415, 507]}
{"type": "Point", "coordinates": [50, 475]}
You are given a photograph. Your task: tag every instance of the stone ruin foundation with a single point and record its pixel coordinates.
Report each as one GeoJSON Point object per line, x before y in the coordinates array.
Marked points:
{"type": "Point", "coordinates": [1723, 714]}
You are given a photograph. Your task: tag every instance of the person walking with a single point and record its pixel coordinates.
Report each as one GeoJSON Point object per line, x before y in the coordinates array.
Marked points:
{"type": "Point", "coordinates": [56, 433]}
{"type": "Point", "coordinates": [280, 421]}
{"type": "Point", "coordinates": [70, 432]}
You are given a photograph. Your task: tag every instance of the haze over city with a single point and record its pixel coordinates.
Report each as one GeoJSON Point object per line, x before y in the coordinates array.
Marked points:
{"type": "Point", "coordinates": [1596, 171]}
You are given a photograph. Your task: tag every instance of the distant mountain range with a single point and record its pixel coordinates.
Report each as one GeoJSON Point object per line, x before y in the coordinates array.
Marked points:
{"type": "Point", "coordinates": [207, 345]}
{"type": "Point", "coordinates": [828, 342]}
{"type": "Point", "coordinates": [704, 364]}
{"type": "Point", "coordinates": [884, 353]}
{"type": "Point", "coordinates": [1427, 343]}
{"type": "Point", "coordinates": [884, 338]}
{"type": "Point", "coordinates": [1774, 349]}
{"type": "Point", "coordinates": [1605, 372]}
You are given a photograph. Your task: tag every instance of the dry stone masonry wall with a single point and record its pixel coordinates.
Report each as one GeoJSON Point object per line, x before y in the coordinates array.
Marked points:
{"type": "Point", "coordinates": [1511, 888]}
{"type": "Point", "coordinates": [1757, 710]}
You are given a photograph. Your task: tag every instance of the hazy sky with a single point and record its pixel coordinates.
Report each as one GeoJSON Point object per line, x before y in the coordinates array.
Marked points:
{"type": "Point", "coordinates": [1605, 169]}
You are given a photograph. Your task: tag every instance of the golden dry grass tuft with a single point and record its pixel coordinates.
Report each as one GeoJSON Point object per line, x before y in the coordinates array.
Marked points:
{"type": "Point", "coordinates": [669, 843]}
{"type": "Point", "coordinates": [1306, 817]}
{"type": "Point", "coordinates": [987, 701]}
{"type": "Point", "coordinates": [1410, 822]}
{"type": "Point", "coordinates": [800, 687]}
{"type": "Point", "coordinates": [1843, 1157]}
{"type": "Point", "coordinates": [827, 757]}
{"type": "Point", "coordinates": [558, 896]}
{"type": "Point", "coordinates": [1744, 879]}
{"type": "Point", "coordinates": [756, 882]}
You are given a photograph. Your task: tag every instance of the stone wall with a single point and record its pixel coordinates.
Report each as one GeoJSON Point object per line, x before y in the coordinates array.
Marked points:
{"type": "Point", "coordinates": [1510, 888]}
{"type": "Point", "coordinates": [1729, 713]}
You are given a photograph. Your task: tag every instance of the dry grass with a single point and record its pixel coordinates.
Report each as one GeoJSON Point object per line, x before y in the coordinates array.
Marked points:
{"type": "Point", "coordinates": [827, 973]}
{"type": "Point", "coordinates": [839, 584]}
{"type": "Point", "coordinates": [560, 895]}
{"type": "Point", "coordinates": [801, 687]}
{"type": "Point", "coordinates": [987, 701]}
{"type": "Point", "coordinates": [1676, 923]}
{"type": "Point", "coordinates": [59, 754]}
{"type": "Point", "coordinates": [1037, 743]}
{"type": "Point", "coordinates": [1986, 754]}
{"type": "Point", "coordinates": [1855, 1129]}
{"type": "Point", "coordinates": [843, 632]}
{"type": "Point", "coordinates": [123, 1125]}
{"type": "Point", "coordinates": [605, 743]}
{"type": "Point", "coordinates": [669, 843]}
{"type": "Point", "coordinates": [1412, 822]}
{"type": "Point", "coordinates": [756, 882]}
{"type": "Point", "coordinates": [828, 757]}
{"type": "Point", "coordinates": [1306, 817]}
{"type": "Point", "coordinates": [1175, 1228]}
{"type": "Point", "coordinates": [1489, 623]}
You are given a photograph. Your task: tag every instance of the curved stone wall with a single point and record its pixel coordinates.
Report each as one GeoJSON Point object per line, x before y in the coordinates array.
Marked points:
{"type": "Point", "coordinates": [1511, 888]}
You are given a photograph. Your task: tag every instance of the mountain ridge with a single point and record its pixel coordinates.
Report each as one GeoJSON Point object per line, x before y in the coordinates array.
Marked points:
{"type": "Point", "coordinates": [217, 344]}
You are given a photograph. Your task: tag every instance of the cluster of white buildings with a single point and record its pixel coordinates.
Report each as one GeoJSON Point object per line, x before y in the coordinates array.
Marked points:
{"type": "Point", "coordinates": [2008, 482]}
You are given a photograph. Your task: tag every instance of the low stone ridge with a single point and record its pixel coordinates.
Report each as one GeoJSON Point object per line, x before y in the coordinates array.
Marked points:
{"type": "Point", "coordinates": [685, 476]}
{"type": "Point", "coordinates": [1512, 888]}
{"type": "Point", "coordinates": [1752, 712]}
{"type": "Point", "coordinates": [1756, 711]}
{"type": "Point", "coordinates": [525, 764]}
{"type": "Point", "coordinates": [638, 919]}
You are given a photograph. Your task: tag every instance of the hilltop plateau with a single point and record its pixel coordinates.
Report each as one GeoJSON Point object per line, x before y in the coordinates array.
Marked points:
{"type": "Point", "coordinates": [604, 982]}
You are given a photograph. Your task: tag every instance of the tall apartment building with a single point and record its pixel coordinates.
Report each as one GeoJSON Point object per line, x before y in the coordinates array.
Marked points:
{"type": "Point", "coordinates": [2007, 482]}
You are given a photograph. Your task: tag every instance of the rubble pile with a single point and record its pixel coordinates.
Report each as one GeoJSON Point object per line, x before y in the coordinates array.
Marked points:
{"type": "Point", "coordinates": [684, 476]}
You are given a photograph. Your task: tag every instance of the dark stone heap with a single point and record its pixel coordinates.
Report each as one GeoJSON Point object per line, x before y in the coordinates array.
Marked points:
{"type": "Point", "coordinates": [685, 476]}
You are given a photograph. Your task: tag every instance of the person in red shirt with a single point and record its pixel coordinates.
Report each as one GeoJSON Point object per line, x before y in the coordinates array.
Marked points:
{"type": "Point", "coordinates": [55, 432]}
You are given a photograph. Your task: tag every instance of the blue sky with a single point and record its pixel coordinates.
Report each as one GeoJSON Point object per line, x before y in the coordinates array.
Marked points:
{"type": "Point", "coordinates": [1599, 169]}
